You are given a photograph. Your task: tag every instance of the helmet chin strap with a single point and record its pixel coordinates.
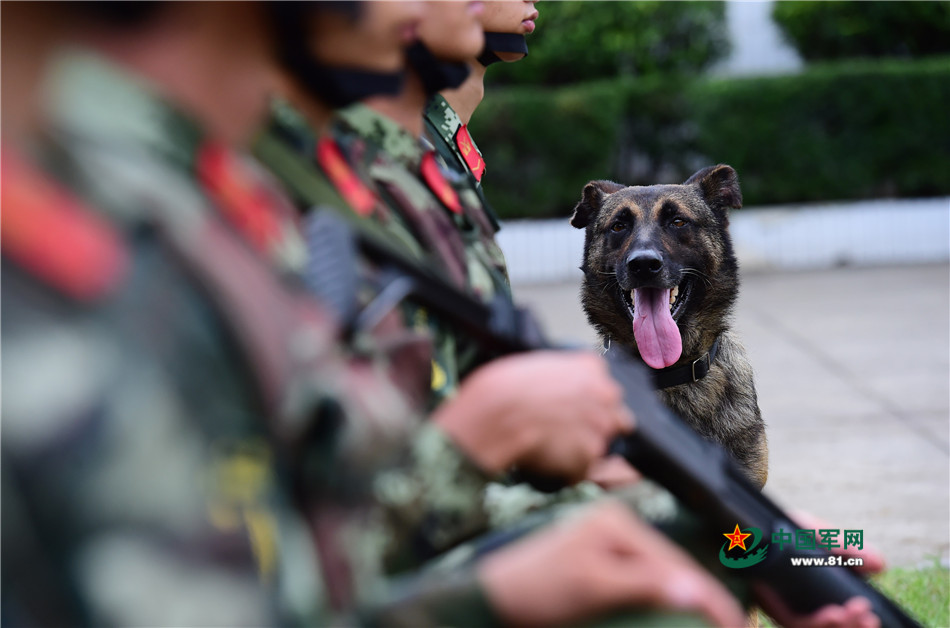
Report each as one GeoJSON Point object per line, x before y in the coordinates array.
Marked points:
{"type": "Point", "coordinates": [335, 86]}
{"type": "Point", "coordinates": [436, 74]}
{"type": "Point", "coordinates": [501, 42]}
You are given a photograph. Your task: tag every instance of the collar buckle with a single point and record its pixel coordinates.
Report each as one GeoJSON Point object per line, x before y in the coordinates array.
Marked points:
{"type": "Point", "coordinates": [703, 362]}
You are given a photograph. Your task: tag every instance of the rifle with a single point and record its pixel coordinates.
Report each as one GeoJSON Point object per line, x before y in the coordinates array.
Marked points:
{"type": "Point", "coordinates": [699, 473]}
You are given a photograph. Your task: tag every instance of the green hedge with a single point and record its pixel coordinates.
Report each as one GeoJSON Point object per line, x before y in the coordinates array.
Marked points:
{"type": "Point", "coordinates": [581, 40]}
{"type": "Point", "coordinates": [837, 30]}
{"type": "Point", "coordinates": [839, 131]}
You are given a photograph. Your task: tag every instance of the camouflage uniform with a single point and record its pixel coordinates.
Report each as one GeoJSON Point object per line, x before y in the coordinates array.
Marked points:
{"type": "Point", "coordinates": [450, 137]}
{"type": "Point", "coordinates": [451, 499]}
{"type": "Point", "coordinates": [148, 413]}
{"type": "Point", "coordinates": [316, 172]}
{"type": "Point", "coordinates": [433, 193]}
{"type": "Point", "coordinates": [433, 497]}
{"type": "Point", "coordinates": [139, 488]}
{"type": "Point", "coordinates": [442, 213]}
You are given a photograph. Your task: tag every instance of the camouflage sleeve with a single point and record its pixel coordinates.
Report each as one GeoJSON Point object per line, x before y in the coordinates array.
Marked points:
{"type": "Point", "coordinates": [134, 503]}
{"type": "Point", "coordinates": [448, 599]}
{"type": "Point", "coordinates": [448, 592]}
{"type": "Point", "coordinates": [432, 501]}
{"type": "Point", "coordinates": [506, 504]}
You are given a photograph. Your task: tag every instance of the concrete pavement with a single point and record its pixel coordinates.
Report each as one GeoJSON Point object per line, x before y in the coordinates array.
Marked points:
{"type": "Point", "coordinates": [853, 374]}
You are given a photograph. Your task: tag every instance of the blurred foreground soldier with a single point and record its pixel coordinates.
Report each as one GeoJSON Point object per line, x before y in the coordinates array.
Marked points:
{"type": "Point", "coordinates": [157, 371]}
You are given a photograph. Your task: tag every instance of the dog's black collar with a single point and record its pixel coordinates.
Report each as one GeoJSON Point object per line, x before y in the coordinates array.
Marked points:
{"type": "Point", "coordinates": [684, 373]}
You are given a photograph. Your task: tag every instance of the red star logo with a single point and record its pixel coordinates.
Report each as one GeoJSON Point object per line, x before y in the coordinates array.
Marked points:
{"type": "Point", "coordinates": [737, 538]}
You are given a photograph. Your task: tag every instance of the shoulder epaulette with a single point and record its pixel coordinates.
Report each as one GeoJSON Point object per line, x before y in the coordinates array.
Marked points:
{"type": "Point", "coordinates": [429, 169]}
{"type": "Point", "coordinates": [470, 153]}
{"type": "Point", "coordinates": [334, 165]}
{"type": "Point", "coordinates": [242, 198]}
{"type": "Point", "coordinates": [54, 237]}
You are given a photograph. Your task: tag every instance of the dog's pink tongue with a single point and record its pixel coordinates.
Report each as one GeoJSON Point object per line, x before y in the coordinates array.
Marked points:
{"type": "Point", "coordinates": [658, 338]}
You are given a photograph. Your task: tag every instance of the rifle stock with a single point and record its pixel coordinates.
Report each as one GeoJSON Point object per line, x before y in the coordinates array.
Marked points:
{"type": "Point", "coordinates": [699, 473]}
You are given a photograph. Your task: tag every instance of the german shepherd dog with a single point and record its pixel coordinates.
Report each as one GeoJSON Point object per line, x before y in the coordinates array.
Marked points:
{"type": "Point", "coordinates": [661, 280]}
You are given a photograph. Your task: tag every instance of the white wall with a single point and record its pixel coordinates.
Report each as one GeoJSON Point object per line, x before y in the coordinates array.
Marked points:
{"type": "Point", "coordinates": [789, 237]}
{"type": "Point", "coordinates": [757, 44]}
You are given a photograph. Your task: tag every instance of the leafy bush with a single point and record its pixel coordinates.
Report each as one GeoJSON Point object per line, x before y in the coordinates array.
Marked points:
{"type": "Point", "coordinates": [836, 131]}
{"type": "Point", "coordinates": [836, 30]}
{"type": "Point", "coordinates": [544, 145]}
{"type": "Point", "coordinates": [585, 40]}
{"type": "Point", "coordinates": [856, 130]}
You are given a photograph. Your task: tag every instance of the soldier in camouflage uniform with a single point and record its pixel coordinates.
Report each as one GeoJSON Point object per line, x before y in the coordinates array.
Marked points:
{"type": "Point", "coordinates": [140, 486]}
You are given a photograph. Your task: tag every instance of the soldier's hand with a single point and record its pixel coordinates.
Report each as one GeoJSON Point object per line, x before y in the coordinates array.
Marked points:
{"type": "Point", "coordinates": [604, 561]}
{"type": "Point", "coordinates": [855, 613]}
{"type": "Point", "coordinates": [550, 412]}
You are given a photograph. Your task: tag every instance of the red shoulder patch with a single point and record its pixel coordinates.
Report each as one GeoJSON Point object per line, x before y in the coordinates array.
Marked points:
{"type": "Point", "coordinates": [246, 203]}
{"type": "Point", "coordinates": [54, 237]}
{"type": "Point", "coordinates": [359, 197]}
{"type": "Point", "coordinates": [437, 183]}
{"type": "Point", "coordinates": [470, 153]}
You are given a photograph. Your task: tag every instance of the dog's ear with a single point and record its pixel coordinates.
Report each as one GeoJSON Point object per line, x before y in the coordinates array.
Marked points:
{"type": "Point", "coordinates": [719, 186]}
{"type": "Point", "coordinates": [591, 198]}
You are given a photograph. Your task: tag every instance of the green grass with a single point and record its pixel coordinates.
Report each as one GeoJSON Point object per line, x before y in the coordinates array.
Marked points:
{"type": "Point", "coordinates": [924, 593]}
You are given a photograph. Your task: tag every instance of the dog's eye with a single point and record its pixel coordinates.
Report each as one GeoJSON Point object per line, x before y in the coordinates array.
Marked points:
{"type": "Point", "coordinates": [678, 222]}
{"type": "Point", "coordinates": [617, 227]}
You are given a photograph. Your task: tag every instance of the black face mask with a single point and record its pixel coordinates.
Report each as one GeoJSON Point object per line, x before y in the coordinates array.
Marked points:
{"type": "Point", "coordinates": [335, 86]}
{"type": "Point", "coordinates": [340, 87]}
{"type": "Point", "coordinates": [436, 74]}
{"type": "Point", "coordinates": [501, 42]}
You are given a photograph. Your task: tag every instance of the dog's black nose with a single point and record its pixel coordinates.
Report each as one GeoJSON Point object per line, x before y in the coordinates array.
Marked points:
{"type": "Point", "coordinates": [644, 264]}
